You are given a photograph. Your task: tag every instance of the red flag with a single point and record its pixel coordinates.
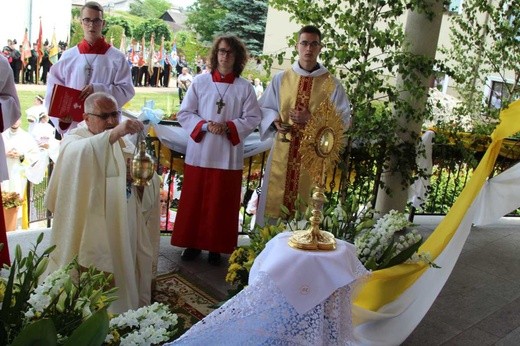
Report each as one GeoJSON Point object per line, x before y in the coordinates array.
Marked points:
{"type": "Point", "coordinates": [40, 44]}
{"type": "Point", "coordinates": [26, 48]}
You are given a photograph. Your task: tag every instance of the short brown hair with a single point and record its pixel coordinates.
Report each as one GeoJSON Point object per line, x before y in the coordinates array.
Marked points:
{"type": "Point", "coordinates": [93, 6]}
{"type": "Point", "coordinates": [238, 48]}
{"type": "Point", "coordinates": [310, 29]}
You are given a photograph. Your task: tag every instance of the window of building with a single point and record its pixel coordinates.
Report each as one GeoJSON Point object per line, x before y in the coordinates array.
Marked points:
{"type": "Point", "coordinates": [455, 6]}
{"type": "Point", "coordinates": [497, 90]}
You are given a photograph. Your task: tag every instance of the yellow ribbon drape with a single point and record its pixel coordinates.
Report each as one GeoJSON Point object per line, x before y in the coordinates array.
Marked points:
{"type": "Point", "coordinates": [386, 285]}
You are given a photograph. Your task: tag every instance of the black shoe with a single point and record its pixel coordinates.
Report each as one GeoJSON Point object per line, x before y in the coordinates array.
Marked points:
{"type": "Point", "coordinates": [190, 254]}
{"type": "Point", "coordinates": [214, 258]}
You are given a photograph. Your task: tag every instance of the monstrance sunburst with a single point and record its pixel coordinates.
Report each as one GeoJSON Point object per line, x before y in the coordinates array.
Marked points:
{"type": "Point", "coordinates": [323, 139]}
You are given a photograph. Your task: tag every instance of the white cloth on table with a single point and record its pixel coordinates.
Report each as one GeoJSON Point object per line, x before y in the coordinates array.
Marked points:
{"type": "Point", "coordinates": [261, 314]}
{"type": "Point", "coordinates": [331, 270]}
{"type": "Point", "coordinates": [176, 139]}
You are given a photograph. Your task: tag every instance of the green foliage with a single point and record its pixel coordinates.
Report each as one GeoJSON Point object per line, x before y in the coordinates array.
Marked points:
{"type": "Point", "coordinates": [188, 45]}
{"type": "Point", "coordinates": [484, 42]}
{"type": "Point", "coordinates": [355, 33]}
{"type": "Point", "coordinates": [153, 26]}
{"type": "Point", "coordinates": [23, 278]}
{"type": "Point", "coordinates": [76, 33]}
{"type": "Point", "coordinates": [245, 19]}
{"type": "Point", "coordinates": [149, 9]}
{"type": "Point", "coordinates": [204, 18]}
{"type": "Point", "coordinates": [112, 21]}
{"type": "Point", "coordinates": [74, 312]}
{"type": "Point", "coordinates": [114, 34]}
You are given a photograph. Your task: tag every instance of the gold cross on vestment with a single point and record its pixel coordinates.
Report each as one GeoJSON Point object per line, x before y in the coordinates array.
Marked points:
{"type": "Point", "coordinates": [220, 104]}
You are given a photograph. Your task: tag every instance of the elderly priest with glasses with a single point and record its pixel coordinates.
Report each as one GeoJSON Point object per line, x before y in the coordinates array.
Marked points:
{"type": "Point", "coordinates": [91, 66]}
{"type": "Point", "coordinates": [99, 215]}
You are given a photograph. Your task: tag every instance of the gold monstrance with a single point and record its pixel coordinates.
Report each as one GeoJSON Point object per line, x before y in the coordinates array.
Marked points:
{"type": "Point", "coordinates": [323, 139]}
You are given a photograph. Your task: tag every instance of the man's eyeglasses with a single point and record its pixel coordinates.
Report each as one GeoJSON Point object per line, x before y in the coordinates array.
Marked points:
{"type": "Point", "coordinates": [313, 44]}
{"type": "Point", "coordinates": [95, 21]}
{"type": "Point", "coordinates": [222, 51]}
{"type": "Point", "coordinates": [105, 116]}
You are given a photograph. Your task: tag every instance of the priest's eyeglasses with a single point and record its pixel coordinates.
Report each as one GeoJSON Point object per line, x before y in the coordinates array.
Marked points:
{"type": "Point", "coordinates": [313, 44]}
{"type": "Point", "coordinates": [105, 116]}
{"type": "Point", "coordinates": [95, 21]}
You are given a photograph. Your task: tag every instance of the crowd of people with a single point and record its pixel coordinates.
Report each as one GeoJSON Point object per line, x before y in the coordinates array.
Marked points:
{"type": "Point", "coordinates": [109, 222]}
{"type": "Point", "coordinates": [32, 67]}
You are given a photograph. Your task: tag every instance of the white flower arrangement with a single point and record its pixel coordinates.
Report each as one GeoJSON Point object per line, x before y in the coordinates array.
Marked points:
{"type": "Point", "coordinates": [378, 247]}
{"type": "Point", "coordinates": [70, 306]}
{"type": "Point", "coordinates": [149, 325]}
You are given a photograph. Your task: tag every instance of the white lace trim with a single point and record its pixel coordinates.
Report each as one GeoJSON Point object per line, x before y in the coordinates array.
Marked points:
{"type": "Point", "coordinates": [260, 315]}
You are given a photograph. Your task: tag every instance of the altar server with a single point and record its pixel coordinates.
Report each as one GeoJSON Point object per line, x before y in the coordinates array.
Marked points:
{"type": "Point", "coordinates": [91, 66]}
{"type": "Point", "coordinates": [219, 111]}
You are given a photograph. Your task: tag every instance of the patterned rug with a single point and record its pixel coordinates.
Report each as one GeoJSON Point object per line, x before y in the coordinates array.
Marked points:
{"type": "Point", "coordinates": [189, 302]}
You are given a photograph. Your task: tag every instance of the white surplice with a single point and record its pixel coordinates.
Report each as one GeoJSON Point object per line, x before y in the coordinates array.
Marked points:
{"type": "Point", "coordinates": [110, 73]}
{"type": "Point", "coordinates": [215, 151]}
{"type": "Point", "coordinates": [93, 219]}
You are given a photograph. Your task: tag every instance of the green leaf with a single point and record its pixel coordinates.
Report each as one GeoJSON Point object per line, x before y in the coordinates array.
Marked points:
{"type": "Point", "coordinates": [92, 332]}
{"type": "Point", "coordinates": [38, 333]}
{"type": "Point", "coordinates": [385, 257]}
{"type": "Point", "coordinates": [403, 255]}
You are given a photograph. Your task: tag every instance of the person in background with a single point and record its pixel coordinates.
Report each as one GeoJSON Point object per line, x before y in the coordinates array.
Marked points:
{"type": "Point", "coordinates": [9, 114]}
{"type": "Point", "coordinates": [181, 63]}
{"type": "Point", "coordinates": [183, 82]}
{"type": "Point", "coordinates": [34, 112]}
{"type": "Point", "coordinates": [30, 72]}
{"type": "Point", "coordinates": [21, 151]}
{"type": "Point", "coordinates": [293, 97]}
{"type": "Point", "coordinates": [219, 111]}
{"type": "Point", "coordinates": [45, 63]}
{"type": "Point", "coordinates": [105, 220]}
{"type": "Point", "coordinates": [16, 61]}
{"type": "Point", "coordinates": [93, 65]}
{"type": "Point", "coordinates": [167, 71]}
{"type": "Point", "coordinates": [259, 88]}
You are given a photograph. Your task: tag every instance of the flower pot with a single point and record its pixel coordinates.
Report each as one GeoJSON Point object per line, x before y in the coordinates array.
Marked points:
{"type": "Point", "coordinates": [11, 218]}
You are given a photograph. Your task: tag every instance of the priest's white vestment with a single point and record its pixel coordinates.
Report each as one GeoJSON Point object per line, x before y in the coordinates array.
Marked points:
{"type": "Point", "coordinates": [94, 219]}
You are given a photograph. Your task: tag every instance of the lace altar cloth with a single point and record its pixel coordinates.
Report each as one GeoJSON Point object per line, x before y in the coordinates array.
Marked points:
{"type": "Point", "coordinates": [261, 314]}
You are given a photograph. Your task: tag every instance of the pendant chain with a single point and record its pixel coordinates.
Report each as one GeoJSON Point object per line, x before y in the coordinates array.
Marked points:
{"type": "Point", "coordinates": [220, 103]}
{"type": "Point", "coordinates": [89, 67]}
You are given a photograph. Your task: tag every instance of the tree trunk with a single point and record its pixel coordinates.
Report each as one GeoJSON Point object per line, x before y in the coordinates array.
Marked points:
{"type": "Point", "coordinates": [422, 34]}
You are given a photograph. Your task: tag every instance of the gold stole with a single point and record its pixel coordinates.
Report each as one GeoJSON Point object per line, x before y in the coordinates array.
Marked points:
{"type": "Point", "coordinates": [286, 181]}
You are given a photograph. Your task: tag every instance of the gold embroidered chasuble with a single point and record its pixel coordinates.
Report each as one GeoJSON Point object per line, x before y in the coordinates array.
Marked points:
{"type": "Point", "coordinates": [286, 180]}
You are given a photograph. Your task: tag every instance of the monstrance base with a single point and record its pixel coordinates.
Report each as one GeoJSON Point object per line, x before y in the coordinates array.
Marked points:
{"type": "Point", "coordinates": [306, 240]}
